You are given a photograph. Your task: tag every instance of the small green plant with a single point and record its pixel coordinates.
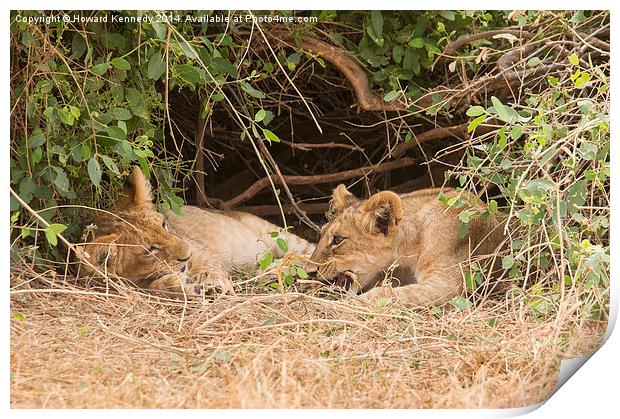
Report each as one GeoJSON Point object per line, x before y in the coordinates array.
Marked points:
{"type": "Point", "coordinates": [285, 270]}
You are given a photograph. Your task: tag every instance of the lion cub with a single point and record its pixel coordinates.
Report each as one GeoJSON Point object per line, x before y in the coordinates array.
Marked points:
{"type": "Point", "coordinates": [413, 236]}
{"type": "Point", "coordinates": [178, 253]}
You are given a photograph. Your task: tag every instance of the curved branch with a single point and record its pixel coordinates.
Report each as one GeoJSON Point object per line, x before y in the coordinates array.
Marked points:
{"type": "Point", "coordinates": [468, 39]}
{"type": "Point", "coordinates": [261, 184]}
{"type": "Point", "coordinates": [348, 66]}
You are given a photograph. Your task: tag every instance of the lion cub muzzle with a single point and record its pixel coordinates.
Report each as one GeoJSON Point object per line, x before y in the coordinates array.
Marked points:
{"type": "Point", "coordinates": [328, 273]}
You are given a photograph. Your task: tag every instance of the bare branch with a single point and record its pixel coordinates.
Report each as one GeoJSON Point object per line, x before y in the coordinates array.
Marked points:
{"type": "Point", "coordinates": [260, 184]}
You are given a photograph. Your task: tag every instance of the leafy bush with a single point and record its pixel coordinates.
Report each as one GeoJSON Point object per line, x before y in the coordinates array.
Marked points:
{"type": "Point", "coordinates": [549, 160]}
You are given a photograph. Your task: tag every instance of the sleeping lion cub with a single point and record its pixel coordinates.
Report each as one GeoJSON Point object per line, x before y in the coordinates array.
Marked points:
{"type": "Point", "coordinates": [177, 253]}
{"type": "Point", "coordinates": [415, 236]}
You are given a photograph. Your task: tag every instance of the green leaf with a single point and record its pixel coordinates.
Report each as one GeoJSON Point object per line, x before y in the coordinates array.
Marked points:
{"type": "Point", "coordinates": [516, 132]}
{"type": "Point", "coordinates": [301, 273]}
{"type": "Point", "coordinates": [377, 39]}
{"type": "Point", "coordinates": [223, 66]}
{"type": "Point", "coordinates": [52, 231]}
{"type": "Point", "coordinates": [266, 260]}
{"type": "Point", "coordinates": [376, 20]}
{"type": "Point", "coordinates": [475, 111]}
{"type": "Point", "coordinates": [78, 46]}
{"type": "Point", "coordinates": [287, 280]}
{"type": "Point", "coordinates": [120, 64]}
{"type": "Point", "coordinates": [475, 122]}
{"type": "Point", "coordinates": [94, 171]}
{"type": "Point", "coordinates": [500, 109]}
{"type": "Point", "coordinates": [447, 14]}
{"type": "Point", "coordinates": [260, 115]}
{"type": "Point", "coordinates": [65, 116]}
{"type": "Point", "coordinates": [577, 194]}
{"type": "Point", "coordinates": [189, 50]}
{"type": "Point", "coordinates": [573, 59]}
{"type": "Point", "coordinates": [493, 206]}
{"type": "Point", "coordinates": [471, 281]}
{"type": "Point", "coordinates": [463, 230]}
{"type": "Point", "coordinates": [117, 133]}
{"type": "Point", "coordinates": [390, 96]}
{"type": "Point", "coordinates": [100, 69]}
{"type": "Point", "coordinates": [160, 29]}
{"type": "Point", "coordinates": [382, 302]}
{"type": "Point", "coordinates": [189, 73]}
{"type": "Point", "coordinates": [533, 62]}
{"type": "Point", "coordinates": [464, 216]}
{"type": "Point", "coordinates": [282, 244]}
{"type": "Point", "coordinates": [539, 186]}
{"type": "Point", "coordinates": [19, 316]}
{"type": "Point", "coordinates": [120, 114]}
{"type": "Point", "coordinates": [507, 262]}
{"type": "Point", "coordinates": [461, 303]}
{"type": "Point", "coordinates": [25, 232]}
{"type": "Point", "coordinates": [251, 91]}
{"type": "Point", "coordinates": [270, 136]}
{"type": "Point", "coordinates": [37, 139]}
{"type": "Point", "coordinates": [61, 181]}
{"type": "Point", "coordinates": [156, 67]}
{"type": "Point", "coordinates": [110, 164]}
{"type": "Point", "coordinates": [416, 43]}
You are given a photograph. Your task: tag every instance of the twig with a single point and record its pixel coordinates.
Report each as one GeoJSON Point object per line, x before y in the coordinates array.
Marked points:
{"type": "Point", "coordinates": [199, 163]}
{"type": "Point", "coordinates": [308, 146]}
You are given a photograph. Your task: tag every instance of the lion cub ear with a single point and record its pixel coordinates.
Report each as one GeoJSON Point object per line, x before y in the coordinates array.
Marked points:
{"type": "Point", "coordinates": [137, 190]}
{"type": "Point", "coordinates": [341, 198]}
{"type": "Point", "coordinates": [383, 211]}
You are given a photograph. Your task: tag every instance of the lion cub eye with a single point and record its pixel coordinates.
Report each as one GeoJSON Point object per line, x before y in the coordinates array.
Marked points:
{"type": "Point", "coordinates": [337, 240]}
{"type": "Point", "coordinates": [152, 249]}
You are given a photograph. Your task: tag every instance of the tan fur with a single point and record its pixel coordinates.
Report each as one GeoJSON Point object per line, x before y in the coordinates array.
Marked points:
{"type": "Point", "coordinates": [415, 236]}
{"type": "Point", "coordinates": [186, 252]}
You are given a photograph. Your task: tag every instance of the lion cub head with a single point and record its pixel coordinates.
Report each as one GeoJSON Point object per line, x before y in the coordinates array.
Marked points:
{"type": "Point", "coordinates": [132, 239]}
{"type": "Point", "coordinates": [359, 241]}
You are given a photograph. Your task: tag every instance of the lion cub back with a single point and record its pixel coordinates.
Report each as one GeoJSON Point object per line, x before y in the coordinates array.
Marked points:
{"type": "Point", "coordinates": [234, 239]}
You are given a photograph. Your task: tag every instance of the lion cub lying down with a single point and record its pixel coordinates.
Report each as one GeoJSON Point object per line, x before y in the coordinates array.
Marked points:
{"type": "Point", "coordinates": [415, 232]}
{"type": "Point", "coordinates": [177, 253]}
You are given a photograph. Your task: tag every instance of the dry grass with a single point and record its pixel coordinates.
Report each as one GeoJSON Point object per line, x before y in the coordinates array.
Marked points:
{"type": "Point", "coordinates": [78, 347]}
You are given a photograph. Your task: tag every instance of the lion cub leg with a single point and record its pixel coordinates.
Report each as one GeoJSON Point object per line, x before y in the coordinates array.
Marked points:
{"type": "Point", "coordinates": [437, 283]}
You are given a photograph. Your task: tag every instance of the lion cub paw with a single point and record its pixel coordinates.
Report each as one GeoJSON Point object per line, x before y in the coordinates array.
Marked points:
{"type": "Point", "coordinates": [194, 284]}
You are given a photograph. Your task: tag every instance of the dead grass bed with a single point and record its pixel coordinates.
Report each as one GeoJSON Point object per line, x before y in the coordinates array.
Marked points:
{"type": "Point", "coordinates": [82, 347]}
